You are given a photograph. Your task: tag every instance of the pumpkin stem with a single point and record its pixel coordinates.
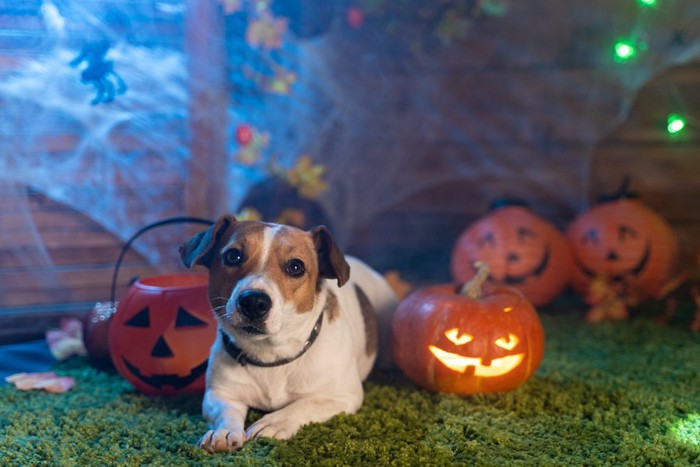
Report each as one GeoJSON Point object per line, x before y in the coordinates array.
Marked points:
{"type": "Point", "coordinates": [472, 288]}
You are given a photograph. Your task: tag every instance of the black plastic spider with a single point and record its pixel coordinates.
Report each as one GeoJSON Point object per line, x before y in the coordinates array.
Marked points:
{"type": "Point", "coordinates": [99, 72]}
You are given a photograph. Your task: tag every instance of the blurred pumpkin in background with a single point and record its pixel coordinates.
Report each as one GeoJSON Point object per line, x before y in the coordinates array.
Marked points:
{"type": "Point", "coordinates": [625, 243]}
{"type": "Point", "coordinates": [522, 249]}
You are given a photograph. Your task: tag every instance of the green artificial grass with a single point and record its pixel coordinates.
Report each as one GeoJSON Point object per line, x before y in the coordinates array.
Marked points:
{"type": "Point", "coordinates": [608, 394]}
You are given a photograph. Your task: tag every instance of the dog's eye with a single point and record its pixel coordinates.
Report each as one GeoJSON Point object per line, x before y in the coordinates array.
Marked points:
{"type": "Point", "coordinates": [233, 257]}
{"type": "Point", "coordinates": [295, 267]}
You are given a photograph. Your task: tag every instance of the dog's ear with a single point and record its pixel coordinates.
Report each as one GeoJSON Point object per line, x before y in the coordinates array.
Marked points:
{"type": "Point", "coordinates": [331, 261]}
{"type": "Point", "coordinates": [200, 248]}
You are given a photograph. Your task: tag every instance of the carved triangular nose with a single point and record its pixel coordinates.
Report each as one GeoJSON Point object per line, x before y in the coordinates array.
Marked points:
{"type": "Point", "coordinates": [613, 256]}
{"type": "Point", "coordinates": [161, 349]}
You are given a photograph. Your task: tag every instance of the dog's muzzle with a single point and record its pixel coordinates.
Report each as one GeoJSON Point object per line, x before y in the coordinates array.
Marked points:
{"type": "Point", "coordinates": [255, 305]}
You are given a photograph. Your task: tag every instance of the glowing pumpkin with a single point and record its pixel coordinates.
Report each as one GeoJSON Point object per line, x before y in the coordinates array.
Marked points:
{"type": "Point", "coordinates": [625, 243]}
{"type": "Point", "coordinates": [465, 342]}
{"type": "Point", "coordinates": [161, 333]}
{"type": "Point", "coordinates": [522, 249]}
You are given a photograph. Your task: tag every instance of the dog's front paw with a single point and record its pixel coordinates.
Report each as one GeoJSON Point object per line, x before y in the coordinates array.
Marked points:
{"type": "Point", "coordinates": [222, 440]}
{"type": "Point", "coordinates": [273, 425]}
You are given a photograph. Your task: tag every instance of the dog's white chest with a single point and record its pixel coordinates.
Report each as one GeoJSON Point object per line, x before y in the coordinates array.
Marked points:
{"type": "Point", "coordinates": [272, 388]}
{"type": "Point", "coordinates": [273, 391]}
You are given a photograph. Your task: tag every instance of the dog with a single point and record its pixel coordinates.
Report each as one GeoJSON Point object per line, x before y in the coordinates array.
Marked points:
{"type": "Point", "coordinates": [299, 328]}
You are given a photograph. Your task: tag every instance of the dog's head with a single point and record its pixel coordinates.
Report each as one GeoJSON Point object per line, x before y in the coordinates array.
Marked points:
{"type": "Point", "coordinates": [264, 278]}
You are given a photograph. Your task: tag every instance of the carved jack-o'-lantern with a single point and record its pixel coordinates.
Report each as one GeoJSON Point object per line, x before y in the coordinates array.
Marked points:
{"type": "Point", "coordinates": [522, 249]}
{"type": "Point", "coordinates": [464, 342]}
{"type": "Point", "coordinates": [624, 243]}
{"type": "Point", "coordinates": [161, 334]}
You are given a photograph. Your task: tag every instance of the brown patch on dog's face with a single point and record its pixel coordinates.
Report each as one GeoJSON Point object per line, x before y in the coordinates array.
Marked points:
{"type": "Point", "coordinates": [290, 249]}
{"type": "Point", "coordinates": [370, 319]}
{"type": "Point", "coordinates": [246, 237]}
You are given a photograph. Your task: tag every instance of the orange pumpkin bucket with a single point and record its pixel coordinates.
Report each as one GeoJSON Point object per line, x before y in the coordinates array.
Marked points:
{"type": "Point", "coordinates": [163, 329]}
{"type": "Point", "coordinates": [160, 336]}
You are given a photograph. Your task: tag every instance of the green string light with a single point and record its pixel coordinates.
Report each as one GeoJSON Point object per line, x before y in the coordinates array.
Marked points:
{"type": "Point", "coordinates": [675, 124]}
{"type": "Point", "coordinates": [625, 50]}
{"type": "Point", "coordinates": [647, 3]}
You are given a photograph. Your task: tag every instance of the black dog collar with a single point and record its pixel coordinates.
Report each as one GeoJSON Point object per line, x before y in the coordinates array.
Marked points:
{"type": "Point", "coordinates": [237, 354]}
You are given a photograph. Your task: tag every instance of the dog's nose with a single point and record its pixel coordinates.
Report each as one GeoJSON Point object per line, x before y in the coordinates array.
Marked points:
{"type": "Point", "coordinates": [254, 304]}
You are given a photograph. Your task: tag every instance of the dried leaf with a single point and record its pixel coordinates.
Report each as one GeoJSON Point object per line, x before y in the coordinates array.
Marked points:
{"type": "Point", "coordinates": [231, 6]}
{"type": "Point", "coordinates": [307, 178]}
{"type": "Point", "coordinates": [67, 340]}
{"type": "Point", "coordinates": [47, 381]}
{"type": "Point", "coordinates": [293, 217]}
{"type": "Point", "coordinates": [266, 32]}
{"type": "Point", "coordinates": [251, 153]}
{"type": "Point", "coordinates": [249, 214]}
{"type": "Point", "coordinates": [282, 82]}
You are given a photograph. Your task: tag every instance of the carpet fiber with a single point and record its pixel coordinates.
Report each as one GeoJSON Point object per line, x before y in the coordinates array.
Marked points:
{"type": "Point", "coordinates": [610, 394]}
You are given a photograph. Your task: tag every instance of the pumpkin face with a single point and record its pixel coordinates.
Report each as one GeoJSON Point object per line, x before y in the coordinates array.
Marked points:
{"type": "Point", "coordinates": [625, 243]}
{"type": "Point", "coordinates": [522, 249]}
{"type": "Point", "coordinates": [448, 342]}
{"type": "Point", "coordinates": [161, 334]}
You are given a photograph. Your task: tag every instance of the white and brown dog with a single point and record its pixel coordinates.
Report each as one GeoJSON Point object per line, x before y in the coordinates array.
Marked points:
{"type": "Point", "coordinates": [299, 325]}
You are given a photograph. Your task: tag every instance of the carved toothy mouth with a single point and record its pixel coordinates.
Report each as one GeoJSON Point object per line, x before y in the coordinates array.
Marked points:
{"type": "Point", "coordinates": [158, 381]}
{"type": "Point", "coordinates": [456, 362]}
{"type": "Point", "coordinates": [620, 277]}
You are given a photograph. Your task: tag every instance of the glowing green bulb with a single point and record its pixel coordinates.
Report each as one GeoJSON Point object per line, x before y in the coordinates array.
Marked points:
{"type": "Point", "coordinates": [675, 124]}
{"type": "Point", "coordinates": [647, 3]}
{"type": "Point", "coordinates": [624, 50]}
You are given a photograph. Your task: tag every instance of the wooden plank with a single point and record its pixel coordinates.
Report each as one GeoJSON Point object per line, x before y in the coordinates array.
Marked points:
{"type": "Point", "coordinates": [15, 256]}
{"type": "Point", "coordinates": [31, 323]}
{"type": "Point", "coordinates": [204, 31]}
{"type": "Point", "coordinates": [661, 175]}
{"type": "Point", "coordinates": [54, 285]}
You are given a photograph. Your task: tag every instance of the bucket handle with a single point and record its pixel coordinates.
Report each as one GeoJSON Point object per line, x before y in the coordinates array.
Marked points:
{"type": "Point", "coordinates": [160, 223]}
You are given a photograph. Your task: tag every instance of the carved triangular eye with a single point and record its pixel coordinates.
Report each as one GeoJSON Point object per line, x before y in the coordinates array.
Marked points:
{"type": "Point", "coordinates": [187, 319]}
{"type": "Point", "coordinates": [140, 319]}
